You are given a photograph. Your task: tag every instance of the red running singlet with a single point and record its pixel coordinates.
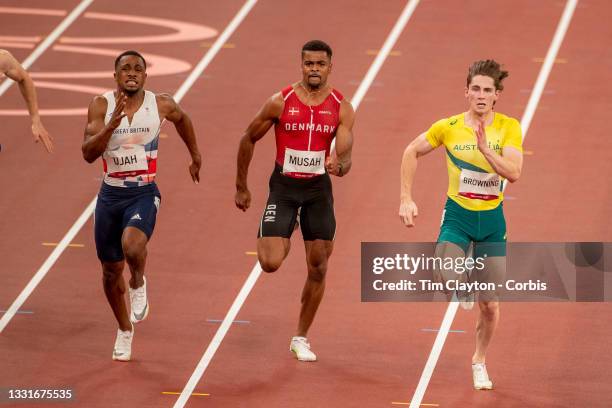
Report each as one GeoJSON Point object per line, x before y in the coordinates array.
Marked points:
{"type": "Point", "coordinates": [304, 134]}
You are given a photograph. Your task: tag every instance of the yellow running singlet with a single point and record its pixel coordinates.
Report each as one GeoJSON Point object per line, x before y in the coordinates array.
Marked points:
{"type": "Point", "coordinates": [472, 182]}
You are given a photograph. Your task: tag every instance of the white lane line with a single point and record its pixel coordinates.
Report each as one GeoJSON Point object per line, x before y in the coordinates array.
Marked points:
{"type": "Point", "coordinates": [42, 271]}
{"type": "Point", "coordinates": [50, 39]}
{"type": "Point", "coordinates": [388, 45]}
{"type": "Point", "coordinates": [396, 31]}
{"type": "Point", "coordinates": [534, 99]}
{"type": "Point", "coordinates": [218, 338]}
{"type": "Point", "coordinates": [447, 321]}
{"type": "Point", "coordinates": [46, 266]}
{"type": "Point", "coordinates": [256, 271]}
{"type": "Point", "coordinates": [217, 45]}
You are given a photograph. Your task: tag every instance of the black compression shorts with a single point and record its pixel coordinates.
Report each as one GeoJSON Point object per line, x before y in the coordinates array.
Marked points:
{"type": "Point", "coordinates": [312, 197]}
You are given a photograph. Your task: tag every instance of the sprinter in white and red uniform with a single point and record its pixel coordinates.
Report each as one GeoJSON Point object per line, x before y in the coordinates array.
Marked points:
{"type": "Point", "coordinates": [123, 128]}
{"type": "Point", "coordinates": [306, 116]}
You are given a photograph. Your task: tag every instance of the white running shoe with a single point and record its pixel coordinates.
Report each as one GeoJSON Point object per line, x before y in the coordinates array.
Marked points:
{"type": "Point", "coordinates": [301, 348]}
{"type": "Point", "coordinates": [123, 345]}
{"type": "Point", "coordinates": [139, 304]}
{"type": "Point", "coordinates": [481, 377]}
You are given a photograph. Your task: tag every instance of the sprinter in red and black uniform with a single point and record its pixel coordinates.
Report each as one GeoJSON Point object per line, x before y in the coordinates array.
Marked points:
{"type": "Point", "coordinates": [307, 116]}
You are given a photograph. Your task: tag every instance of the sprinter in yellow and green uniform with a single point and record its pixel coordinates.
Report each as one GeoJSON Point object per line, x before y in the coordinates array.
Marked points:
{"type": "Point", "coordinates": [483, 150]}
{"type": "Point", "coordinates": [473, 210]}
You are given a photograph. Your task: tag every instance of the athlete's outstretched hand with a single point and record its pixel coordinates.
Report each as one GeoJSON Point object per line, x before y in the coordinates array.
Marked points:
{"type": "Point", "coordinates": [194, 168]}
{"type": "Point", "coordinates": [243, 199]}
{"type": "Point", "coordinates": [118, 113]}
{"type": "Point", "coordinates": [41, 135]}
{"type": "Point", "coordinates": [408, 211]}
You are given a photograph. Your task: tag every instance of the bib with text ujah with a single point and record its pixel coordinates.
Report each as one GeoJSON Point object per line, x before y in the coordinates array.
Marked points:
{"type": "Point", "coordinates": [478, 185]}
{"type": "Point", "coordinates": [299, 161]}
{"type": "Point", "coordinates": [126, 159]}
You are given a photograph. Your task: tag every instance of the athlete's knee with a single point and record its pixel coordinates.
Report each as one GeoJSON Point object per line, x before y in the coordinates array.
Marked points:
{"type": "Point", "coordinates": [134, 244]}
{"type": "Point", "coordinates": [317, 274]}
{"type": "Point", "coordinates": [133, 251]}
{"type": "Point", "coordinates": [271, 252]}
{"type": "Point", "coordinates": [317, 258]}
{"type": "Point", "coordinates": [270, 264]}
{"type": "Point", "coordinates": [317, 269]}
{"type": "Point", "coordinates": [489, 310]}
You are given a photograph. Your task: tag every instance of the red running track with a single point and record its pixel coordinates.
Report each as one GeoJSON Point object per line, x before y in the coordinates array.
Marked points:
{"type": "Point", "coordinates": [370, 354]}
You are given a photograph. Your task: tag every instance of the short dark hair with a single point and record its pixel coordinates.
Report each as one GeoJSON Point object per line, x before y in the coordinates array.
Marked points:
{"type": "Point", "coordinates": [317, 45]}
{"type": "Point", "coordinates": [130, 52]}
{"type": "Point", "coordinates": [489, 68]}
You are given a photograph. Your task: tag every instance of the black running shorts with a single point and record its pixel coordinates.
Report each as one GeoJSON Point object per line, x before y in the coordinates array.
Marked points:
{"type": "Point", "coordinates": [313, 199]}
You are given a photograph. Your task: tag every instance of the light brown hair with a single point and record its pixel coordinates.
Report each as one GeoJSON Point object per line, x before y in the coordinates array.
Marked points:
{"type": "Point", "coordinates": [489, 68]}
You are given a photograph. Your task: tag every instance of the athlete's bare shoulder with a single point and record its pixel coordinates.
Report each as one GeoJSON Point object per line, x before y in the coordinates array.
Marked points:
{"type": "Point", "coordinates": [274, 106]}
{"type": "Point", "coordinates": [347, 113]}
{"type": "Point", "coordinates": [165, 104]}
{"type": "Point", "coordinates": [95, 115]}
{"type": "Point", "coordinates": [346, 106]}
{"type": "Point", "coordinates": [277, 99]}
{"type": "Point", "coordinates": [97, 106]}
{"type": "Point", "coordinates": [164, 97]}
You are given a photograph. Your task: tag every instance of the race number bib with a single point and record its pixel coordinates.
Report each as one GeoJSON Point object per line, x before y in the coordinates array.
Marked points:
{"type": "Point", "coordinates": [298, 161]}
{"type": "Point", "coordinates": [126, 159]}
{"type": "Point", "coordinates": [482, 186]}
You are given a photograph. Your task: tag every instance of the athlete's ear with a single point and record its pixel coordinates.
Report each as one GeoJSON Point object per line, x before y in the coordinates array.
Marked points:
{"type": "Point", "coordinates": [466, 89]}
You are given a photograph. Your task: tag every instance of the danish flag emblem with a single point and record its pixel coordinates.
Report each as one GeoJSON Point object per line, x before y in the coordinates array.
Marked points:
{"type": "Point", "coordinates": [293, 111]}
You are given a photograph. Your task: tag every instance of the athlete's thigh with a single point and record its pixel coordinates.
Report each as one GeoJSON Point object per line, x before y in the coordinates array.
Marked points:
{"type": "Point", "coordinates": [450, 259]}
{"type": "Point", "coordinates": [279, 216]}
{"type": "Point", "coordinates": [317, 218]}
{"type": "Point", "coordinates": [456, 226]}
{"type": "Point", "coordinates": [141, 214]}
{"type": "Point", "coordinates": [108, 228]}
{"type": "Point", "coordinates": [493, 241]}
{"type": "Point", "coordinates": [491, 248]}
